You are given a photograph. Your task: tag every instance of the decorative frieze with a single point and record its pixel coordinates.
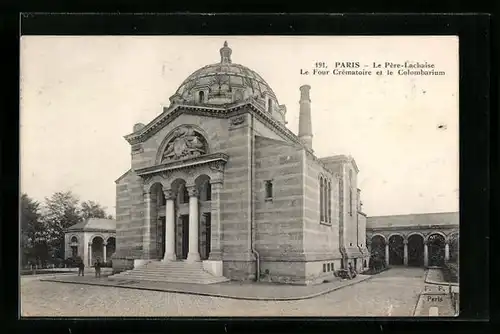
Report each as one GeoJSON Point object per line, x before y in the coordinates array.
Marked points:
{"type": "Point", "coordinates": [238, 120]}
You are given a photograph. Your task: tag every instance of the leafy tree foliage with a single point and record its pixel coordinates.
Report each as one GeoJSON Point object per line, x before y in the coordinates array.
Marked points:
{"type": "Point", "coordinates": [91, 209]}
{"type": "Point", "coordinates": [43, 225]}
{"type": "Point", "coordinates": [31, 228]}
{"type": "Point", "coordinates": [60, 212]}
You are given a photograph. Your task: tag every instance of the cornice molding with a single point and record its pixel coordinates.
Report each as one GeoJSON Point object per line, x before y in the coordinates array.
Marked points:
{"type": "Point", "coordinates": [213, 111]}
{"type": "Point", "coordinates": [218, 160]}
{"type": "Point", "coordinates": [411, 228]}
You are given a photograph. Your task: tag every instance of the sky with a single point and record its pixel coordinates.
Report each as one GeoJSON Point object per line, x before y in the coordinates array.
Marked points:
{"type": "Point", "coordinates": [81, 94]}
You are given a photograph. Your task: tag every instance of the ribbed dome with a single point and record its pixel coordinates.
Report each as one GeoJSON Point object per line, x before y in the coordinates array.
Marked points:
{"type": "Point", "coordinates": [232, 76]}
{"type": "Point", "coordinates": [225, 83]}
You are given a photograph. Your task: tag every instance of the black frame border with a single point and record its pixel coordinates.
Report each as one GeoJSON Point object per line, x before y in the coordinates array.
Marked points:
{"type": "Point", "coordinates": [477, 145]}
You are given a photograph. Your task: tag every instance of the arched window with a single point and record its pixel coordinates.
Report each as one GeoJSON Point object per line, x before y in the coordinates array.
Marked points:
{"type": "Point", "coordinates": [184, 196]}
{"type": "Point", "coordinates": [74, 248]}
{"type": "Point", "coordinates": [341, 200]}
{"type": "Point", "coordinates": [321, 194]}
{"type": "Point", "coordinates": [325, 200]}
{"type": "Point", "coordinates": [201, 96]}
{"type": "Point", "coordinates": [350, 201]}
{"type": "Point", "coordinates": [329, 202]}
{"type": "Point", "coordinates": [208, 190]}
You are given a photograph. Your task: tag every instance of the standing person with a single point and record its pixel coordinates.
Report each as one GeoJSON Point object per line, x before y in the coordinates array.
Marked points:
{"type": "Point", "coordinates": [97, 266]}
{"type": "Point", "coordinates": [350, 271]}
{"type": "Point", "coordinates": [81, 268]}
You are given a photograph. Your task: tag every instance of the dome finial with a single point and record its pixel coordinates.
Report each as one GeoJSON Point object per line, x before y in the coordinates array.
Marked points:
{"type": "Point", "coordinates": [225, 54]}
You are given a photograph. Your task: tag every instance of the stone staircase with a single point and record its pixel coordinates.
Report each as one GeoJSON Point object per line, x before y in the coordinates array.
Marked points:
{"type": "Point", "coordinates": [171, 272]}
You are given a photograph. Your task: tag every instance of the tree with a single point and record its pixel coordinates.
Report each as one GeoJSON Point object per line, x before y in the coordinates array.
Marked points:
{"type": "Point", "coordinates": [60, 212]}
{"type": "Point", "coordinates": [31, 228]}
{"type": "Point", "coordinates": [91, 209]}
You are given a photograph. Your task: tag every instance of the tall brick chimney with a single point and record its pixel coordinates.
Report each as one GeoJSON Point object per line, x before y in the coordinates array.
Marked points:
{"type": "Point", "coordinates": [305, 124]}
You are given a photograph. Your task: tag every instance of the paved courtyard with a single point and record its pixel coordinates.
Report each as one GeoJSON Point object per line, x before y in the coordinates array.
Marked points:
{"type": "Point", "coordinates": [391, 293]}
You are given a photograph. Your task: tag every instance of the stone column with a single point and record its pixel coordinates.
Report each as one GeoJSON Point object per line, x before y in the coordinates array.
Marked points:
{"type": "Point", "coordinates": [90, 253]}
{"type": "Point", "coordinates": [446, 252]}
{"type": "Point", "coordinates": [193, 254]}
{"type": "Point", "coordinates": [426, 254]}
{"type": "Point", "coordinates": [146, 237]}
{"type": "Point", "coordinates": [104, 245]}
{"type": "Point", "coordinates": [169, 233]}
{"type": "Point", "coordinates": [215, 237]}
{"type": "Point", "coordinates": [387, 254]}
{"type": "Point", "coordinates": [405, 252]}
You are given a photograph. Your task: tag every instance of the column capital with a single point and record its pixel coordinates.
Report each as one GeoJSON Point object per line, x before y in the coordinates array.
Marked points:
{"type": "Point", "coordinates": [169, 194]}
{"type": "Point", "coordinates": [217, 183]}
{"type": "Point", "coordinates": [405, 242]}
{"type": "Point", "coordinates": [147, 195]}
{"type": "Point", "coordinates": [105, 244]}
{"type": "Point", "coordinates": [192, 190]}
{"type": "Point", "coordinates": [90, 243]}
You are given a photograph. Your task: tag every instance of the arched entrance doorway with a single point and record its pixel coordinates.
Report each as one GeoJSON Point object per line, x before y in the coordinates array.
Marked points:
{"type": "Point", "coordinates": [396, 250]}
{"type": "Point", "coordinates": [158, 220]}
{"type": "Point", "coordinates": [415, 250]}
{"type": "Point", "coordinates": [377, 252]}
{"type": "Point", "coordinates": [182, 192]}
{"type": "Point", "coordinates": [97, 250]}
{"type": "Point", "coordinates": [436, 245]}
{"type": "Point", "coordinates": [110, 247]}
{"type": "Point", "coordinates": [205, 196]}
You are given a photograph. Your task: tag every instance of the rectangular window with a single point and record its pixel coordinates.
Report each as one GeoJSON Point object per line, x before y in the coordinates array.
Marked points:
{"type": "Point", "coordinates": [269, 189]}
{"type": "Point", "coordinates": [324, 267]}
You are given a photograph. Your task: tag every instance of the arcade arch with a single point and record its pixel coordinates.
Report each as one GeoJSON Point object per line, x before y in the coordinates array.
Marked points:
{"type": "Point", "coordinates": [436, 249]}
{"type": "Point", "coordinates": [396, 249]}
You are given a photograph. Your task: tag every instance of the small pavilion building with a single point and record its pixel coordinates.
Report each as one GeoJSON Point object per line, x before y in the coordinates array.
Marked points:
{"type": "Point", "coordinates": [91, 239]}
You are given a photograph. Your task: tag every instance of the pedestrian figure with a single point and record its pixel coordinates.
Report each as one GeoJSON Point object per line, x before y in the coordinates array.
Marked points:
{"type": "Point", "coordinates": [97, 266]}
{"type": "Point", "coordinates": [352, 272]}
{"type": "Point", "coordinates": [81, 268]}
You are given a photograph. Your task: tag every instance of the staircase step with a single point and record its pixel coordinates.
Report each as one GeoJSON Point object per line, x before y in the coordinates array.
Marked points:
{"type": "Point", "coordinates": [171, 272]}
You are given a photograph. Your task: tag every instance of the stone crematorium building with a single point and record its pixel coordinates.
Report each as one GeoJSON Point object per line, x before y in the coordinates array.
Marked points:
{"type": "Point", "coordinates": [219, 186]}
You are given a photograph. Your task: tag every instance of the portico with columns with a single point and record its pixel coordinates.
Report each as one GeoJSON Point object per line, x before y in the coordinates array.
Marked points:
{"type": "Point", "coordinates": [182, 210]}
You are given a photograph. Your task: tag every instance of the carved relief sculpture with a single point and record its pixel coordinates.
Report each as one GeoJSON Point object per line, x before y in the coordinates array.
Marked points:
{"type": "Point", "coordinates": [185, 143]}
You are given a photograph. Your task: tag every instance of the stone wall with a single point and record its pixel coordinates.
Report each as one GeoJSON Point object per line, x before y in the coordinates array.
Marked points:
{"type": "Point", "coordinates": [351, 227]}
{"type": "Point", "coordinates": [129, 218]}
{"type": "Point", "coordinates": [278, 219]}
{"type": "Point", "coordinates": [235, 201]}
{"type": "Point", "coordinates": [321, 239]}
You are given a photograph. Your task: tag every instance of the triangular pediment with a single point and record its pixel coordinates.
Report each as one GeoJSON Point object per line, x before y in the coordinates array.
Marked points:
{"type": "Point", "coordinates": [226, 111]}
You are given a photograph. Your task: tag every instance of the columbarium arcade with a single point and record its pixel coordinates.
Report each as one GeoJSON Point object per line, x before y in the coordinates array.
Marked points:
{"type": "Point", "coordinates": [415, 248]}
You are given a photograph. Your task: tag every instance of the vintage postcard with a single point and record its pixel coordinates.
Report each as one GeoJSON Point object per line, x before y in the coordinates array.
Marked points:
{"type": "Point", "coordinates": [239, 176]}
